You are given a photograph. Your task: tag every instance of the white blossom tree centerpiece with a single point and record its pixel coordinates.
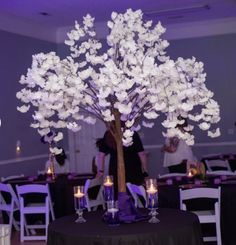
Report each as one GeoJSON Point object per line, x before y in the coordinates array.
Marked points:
{"type": "Point", "coordinates": [133, 81]}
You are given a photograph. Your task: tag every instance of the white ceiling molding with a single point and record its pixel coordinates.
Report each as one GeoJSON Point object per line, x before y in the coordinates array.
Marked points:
{"type": "Point", "coordinates": [177, 10]}
{"type": "Point", "coordinates": [201, 28]}
{"type": "Point", "coordinates": [174, 31]}
{"type": "Point", "coordinates": [28, 28]}
{"type": "Point", "coordinates": [201, 144]}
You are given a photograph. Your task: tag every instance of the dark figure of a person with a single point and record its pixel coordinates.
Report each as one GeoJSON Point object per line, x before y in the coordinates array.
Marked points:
{"type": "Point", "coordinates": [178, 154]}
{"type": "Point", "coordinates": [134, 158]}
{"type": "Point", "coordinates": [61, 165]}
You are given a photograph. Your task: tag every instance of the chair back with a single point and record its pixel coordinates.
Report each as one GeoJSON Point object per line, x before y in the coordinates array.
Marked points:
{"type": "Point", "coordinates": [31, 188]}
{"type": "Point", "coordinates": [38, 189]}
{"type": "Point", "coordinates": [212, 193]}
{"type": "Point", "coordinates": [9, 203]}
{"type": "Point", "coordinates": [221, 173]}
{"type": "Point", "coordinates": [31, 207]}
{"type": "Point", "coordinates": [205, 216]}
{"type": "Point", "coordinates": [99, 199]}
{"type": "Point", "coordinates": [5, 205]}
{"type": "Point", "coordinates": [8, 190]}
{"type": "Point", "coordinates": [136, 192]}
{"type": "Point", "coordinates": [217, 164]}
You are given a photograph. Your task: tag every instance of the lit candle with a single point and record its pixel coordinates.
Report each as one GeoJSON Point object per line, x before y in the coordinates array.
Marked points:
{"type": "Point", "coordinates": [108, 189]}
{"type": "Point", "coordinates": [152, 196]}
{"type": "Point", "coordinates": [152, 189]}
{"type": "Point", "coordinates": [108, 182]}
{"type": "Point", "coordinates": [152, 193]}
{"type": "Point", "coordinates": [49, 171]}
{"type": "Point", "coordinates": [18, 147]}
{"type": "Point", "coordinates": [190, 175]}
{"type": "Point", "coordinates": [80, 202]}
{"type": "Point", "coordinates": [79, 194]}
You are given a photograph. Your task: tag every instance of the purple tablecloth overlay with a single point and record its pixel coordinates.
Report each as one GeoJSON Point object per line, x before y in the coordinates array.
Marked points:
{"type": "Point", "coordinates": [128, 213]}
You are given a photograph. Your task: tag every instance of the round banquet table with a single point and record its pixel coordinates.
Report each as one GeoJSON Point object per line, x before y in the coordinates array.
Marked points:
{"type": "Point", "coordinates": [175, 228]}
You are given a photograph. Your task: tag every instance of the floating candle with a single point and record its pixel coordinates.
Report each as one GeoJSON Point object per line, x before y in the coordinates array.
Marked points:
{"type": "Point", "coordinates": [108, 188]}
{"type": "Point", "coordinates": [108, 182]}
{"type": "Point", "coordinates": [152, 189]}
{"type": "Point", "coordinates": [79, 194]}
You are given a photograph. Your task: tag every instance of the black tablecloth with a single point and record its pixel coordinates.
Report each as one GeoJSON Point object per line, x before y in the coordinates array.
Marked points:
{"type": "Point", "coordinates": [61, 190]}
{"type": "Point", "coordinates": [169, 197]}
{"type": "Point", "coordinates": [63, 196]}
{"type": "Point", "coordinates": [175, 228]}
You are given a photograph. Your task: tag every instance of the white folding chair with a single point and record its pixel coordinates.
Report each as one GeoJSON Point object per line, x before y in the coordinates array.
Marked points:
{"type": "Point", "coordinates": [32, 208]}
{"type": "Point", "coordinates": [92, 204]}
{"type": "Point", "coordinates": [217, 164]}
{"type": "Point", "coordinates": [220, 173]}
{"type": "Point", "coordinates": [205, 216]}
{"type": "Point", "coordinates": [9, 206]}
{"type": "Point", "coordinates": [3, 179]}
{"type": "Point", "coordinates": [136, 191]}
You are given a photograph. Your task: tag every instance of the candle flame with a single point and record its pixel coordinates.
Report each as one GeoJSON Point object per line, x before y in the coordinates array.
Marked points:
{"type": "Point", "coordinates": [108, 182]}
{"type": "Point", "coordinates": [79, 193]}
{"type": "Point", "coordinates": [190, 174]}
{"type": "Point", "coordinates": [152, 189]}
{"type": "Point", "coordinates": [49, 171]}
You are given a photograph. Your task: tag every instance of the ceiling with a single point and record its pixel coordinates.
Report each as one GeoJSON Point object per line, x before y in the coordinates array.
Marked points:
{"type": "Point", "coordinates": [46, 17]}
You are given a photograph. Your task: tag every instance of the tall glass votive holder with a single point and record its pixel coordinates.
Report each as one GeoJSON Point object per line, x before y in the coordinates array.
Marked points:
{"type": "Point", "coordinates": [112, 213]}
{"type": "Point", "coordinates": [152, 198]}
{"type": "Point", "coordinates": [108, 188]}
{"type": "Point", "coordinates": [80, 203]}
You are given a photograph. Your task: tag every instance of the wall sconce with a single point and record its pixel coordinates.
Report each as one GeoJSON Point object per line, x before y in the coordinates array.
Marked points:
{"type": "Point", "coordinates": [18, 147]}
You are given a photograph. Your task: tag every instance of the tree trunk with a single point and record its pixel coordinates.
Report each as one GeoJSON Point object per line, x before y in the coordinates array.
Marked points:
{"type": "Point", "coordinates": [128, 213]}
{"type": "Point", "coordinates": [120, 154]}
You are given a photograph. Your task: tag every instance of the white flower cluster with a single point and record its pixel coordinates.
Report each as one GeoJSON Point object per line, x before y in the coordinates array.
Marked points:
{"type": "Point", "coordinates": [134, 76]}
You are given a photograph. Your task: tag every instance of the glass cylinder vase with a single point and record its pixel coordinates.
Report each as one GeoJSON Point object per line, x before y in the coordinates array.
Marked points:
{"type": "Point", "coordinates": [152, 199]}
{"type": "Point", "coordinates": [80, 203]}
{"type": "Point", "coordinates": [108, 188]}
